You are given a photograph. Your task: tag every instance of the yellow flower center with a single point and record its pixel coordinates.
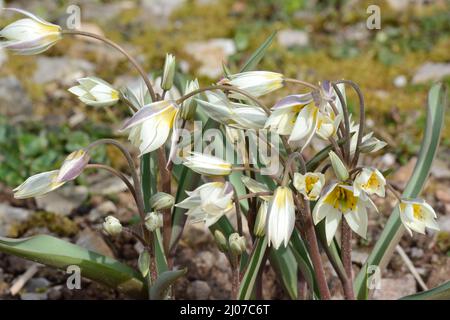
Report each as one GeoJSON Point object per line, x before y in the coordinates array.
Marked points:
{"type": "Point", "coordinates": [342, 199]}
{"type": "Point", "coordinates": [372, 183]}
{"type": "Point", "coordinates": [310, 181]}
{"type": "Point", "coordinates": [114, 95]}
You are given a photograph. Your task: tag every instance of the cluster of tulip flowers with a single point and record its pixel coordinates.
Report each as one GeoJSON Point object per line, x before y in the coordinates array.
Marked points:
{"type": "Point", "coordinates": [338, 188]}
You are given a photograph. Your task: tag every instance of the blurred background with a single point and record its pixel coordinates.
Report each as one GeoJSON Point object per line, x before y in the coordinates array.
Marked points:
{"type": "Point", "coordinates": [41, 122]}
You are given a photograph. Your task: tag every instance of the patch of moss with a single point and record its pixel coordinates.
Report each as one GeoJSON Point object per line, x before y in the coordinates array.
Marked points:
{"type": "Point", "coordinates": [60, 225]}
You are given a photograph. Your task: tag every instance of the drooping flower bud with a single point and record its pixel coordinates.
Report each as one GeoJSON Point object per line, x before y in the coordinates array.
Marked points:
{"type": "Point", "coordinates": [112, 226]}
{"type": "Point", "coordinates": [161, 201]}
{"type": "Point", "coordinates": [153, 221]}
{"type": "Point", "coordinates": [236, 243]}
{"type": "Point", "coordinates": [73, 165]}
{"type": "Point", "coordinates": [189, 105]}
{"type": "Point", "coordinates": [221, 241]}
{"type": "Point", "coordinates": [260, 223]}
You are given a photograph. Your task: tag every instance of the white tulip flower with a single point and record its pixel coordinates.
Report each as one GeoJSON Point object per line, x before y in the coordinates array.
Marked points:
{"type": "Point", "coordinates": [369, 181]}
{"type": "Point", "coordinates": [416, 215]}
{"type": "Point", "coordinates": [340, 201]}
{"type": "Point", "coordinates": [310, 184]}
{"type": "Point", "coordinates": [209, 202]}
{"type": "Point", "coordinates": [38, 185]}
{"type": "Point", "coordinates": [207, 164]}
{"type": "Point", "coordinates": [95, 92]}
{"type": "Point", "coordinates": [281, 217]}
{"type": "Point", "coordinates": [256, 83]}
{"type": "Point", "coordinates": [29, 36]}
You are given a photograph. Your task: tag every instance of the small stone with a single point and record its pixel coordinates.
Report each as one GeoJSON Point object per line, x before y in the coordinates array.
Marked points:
{"type": "Point", "coordinates": [393, 289]}
{"type": "Point", "coordinates": [431, 72]}
{"type": "Point", "coordinates": [204, 262]}
{"type": "Point", "coordinates": [388, 159]}
{"type": "Point", "coordinates": [61, 69]}
{"type": "Point", "coordinates": [11, 217]}
{"type": "Point", "coordinates": [106, 186]}
{"type": "Point", "coordinates": [293, 38]}
{"type": "Point", "coordinates": [199, 290]}
{"type": "Point", "coordinates": [107, 207]}
{"type": "Point", "coordinates": [416, 253]}
{"type": "Point", "coordinates": [64, 200]}
{"type": "Point", "coordinates": [14, 100]}
{"type": "Point", "coordinates": [211, 54]}
{"type": "Point", "coordinates": [196, 234]}
{"type": "Point", "coordinates": [400, 81]}
{"type": "Point", "coordinates": [160, 10]}
{"type": "Point", "coordinates": [443, 195]}
{"type": "Point", "coordinates": [440, 169]}
{"type": "Point", "coordinates": [359, 257]}
{"type": "Point", "coordinates": [444, 223]}
{"type": "Point", "coordinates": [34, 296]}
{"type": "Point", "coordinates": [92, 240]}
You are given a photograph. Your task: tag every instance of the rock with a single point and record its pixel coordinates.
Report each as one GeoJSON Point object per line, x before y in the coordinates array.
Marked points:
{"type": "Point", "coordinates": [107, 207]}
{"type": "Point", "coordinates": [431, 72]}
{"type": "Point", "coordinates": [440, 169]}
{"type": "Point", "coordinates": [293, 38]}
{"type": "Point", "coordinates": [393, 289]}
{"type": "Point", "coordinates": [92, 240]}
{"type": "Point", "coordinates": [399, 5]}
{"type": "Point", "coordinates": [160, 10]}
{"type": "Point", "coordinates": [199, 290]}
{"type": "Point", "coordinates": [400, 81]}
{"type": "Point", "coordinates": [61, 69]}
{"type": "Point", "coordinates": [64, 200]}
{"type": "Point", "coordinates": [402, 175]}
{"type": "Point", "coordinates": [36, 289]}
{"type": "Point", "coordinates": [357, 32]}
{"type": "Point", "coordinates": [196, 234]}
{"type": "Point", "coordinates": [388, 159]}
{"type": "Point", "coordinates": [444, 223]}
{"type": "Point", "coordinates": [14, 100]}
{"type": "Point", "coordinates": [439, 273]}
{"type": "Point", "coordinates": [10, 217]}
{"type": "Point", "coordinates": [204, 262]}
{"type": "Point", "coordinates": [34, 296]}
{"type": "Point", "coordinates": [210, 54]}
{"type": "Point", "coordinates": [359, 257]}
{"type": "Point", "coordinates": [105, 12]}
{"type": "Point", "coordinates": [443, 195]}
{"type": "Point", "coordinates": [104, 186]}
{"type": "Point", "coordinates": [416, 253]}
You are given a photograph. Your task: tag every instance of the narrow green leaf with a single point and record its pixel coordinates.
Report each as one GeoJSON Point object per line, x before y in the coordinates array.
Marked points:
{"type": "Point", "coordinates": [256, 57]}
{"type": "Point", "coordinates": [441, 292]}
{"type": "Point", "coordinates": [60, 254]}
{"type": "Point", "coordinates": [393, 231]}
{"type": "Point", "coordinates": [285, 265]}
{"type": "Point", "coordinates": [159, 289]}
{"type": "Point", "coordinates": [251, 273]}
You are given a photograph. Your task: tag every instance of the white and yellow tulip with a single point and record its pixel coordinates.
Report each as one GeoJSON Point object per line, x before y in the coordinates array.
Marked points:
{"type": "Point", "coordinates": [417, 215]}
{"type": "Point", "coordinates": [207, 164]}
{"type": "Point", "coordinates": [369, 181]}
{"type": "Point", "coordinates": [281, 217]}
{"type": "Point", "coordinates": [209, 202]}
{"type": "Point", "coordinates": [310, 184]}
{"type": "Point", "coordinates": [30, 35]}
{"type": "Point", "coordinates": [38, 185]}
{"type": "Point", "coordinates": [95, 92]}
{"type": "Point", "coordinates": [256, 83]}
{"type": "Point", "coordinates": [340, 201]}
{"type": "Point", "coordinates": [73, 165]}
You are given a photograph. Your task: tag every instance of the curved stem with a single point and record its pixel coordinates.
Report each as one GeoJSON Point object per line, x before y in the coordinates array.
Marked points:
{"type": "Point", "coordinates": [362, 117]}
{"type": "Point", "coordinates": [346, 121]}
{"type": "Point", "coordinates": [238, 212]}
{"type": "Point", "coordinates": [134, 175]}
{"type": "Point", "coordinates": [119, 48]}
{"type": "Point", "coordinates": [255, 194]}
{"type": "Point", "coordinates": [287, 168]}
{"type": "Point", "coordinates": [223, 88]}
{"type": "Point", "coordinates": [346, 244]}
{"type": "Point", "coordinates": [300, 82]}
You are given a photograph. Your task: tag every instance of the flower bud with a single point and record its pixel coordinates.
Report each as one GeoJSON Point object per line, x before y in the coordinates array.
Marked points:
{"type": "Point", "coordinates": [73, 165]}
{"type": "Point", "coordinates": [260, 223]}
{"type": "Point", "coordinates": [338, 166]}
{"type": "Point", "coordinates": [190, 104]}
{"type": "Point", "coordinates": [221, 241]}
{"type": "Point", "coordinates": [207, 165]}
{"type": "Point", "coordinates": [112, 226]}
{"type": "Point", "coordinates": [168, 73]}
{"type": "Point", "coordinates": [161, 201]}
{"type": "Point", "coordinates": [236, 243]}
{"type": "Point", "coordinates": [153, 221]}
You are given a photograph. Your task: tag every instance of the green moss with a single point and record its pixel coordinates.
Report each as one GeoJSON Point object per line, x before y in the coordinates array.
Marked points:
{"type": "Point", "coordinates": [60, 225]}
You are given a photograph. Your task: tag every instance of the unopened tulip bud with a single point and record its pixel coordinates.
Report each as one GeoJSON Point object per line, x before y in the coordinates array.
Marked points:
{"type": "Point", "coordinates": [221, 241]}
{"type": "Point", "coordinates": [168, 73]}
{"type": "Point", "coordinates": [112, 226]}
{"type": "Point", "coordinates": [190, 104]}
{"type": "Point", "coordinates": [161, 201]}
{"type": "Point", "coordinates": [153, 221]}
{"type": "Point", "coordinates": [73, 165]}
{"type": "Point", "coordinates": [338, 166]}
{"type": "Point", "coordinates": [260, 223]}
{"type": "Point", "coordinates": [236, 243]}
